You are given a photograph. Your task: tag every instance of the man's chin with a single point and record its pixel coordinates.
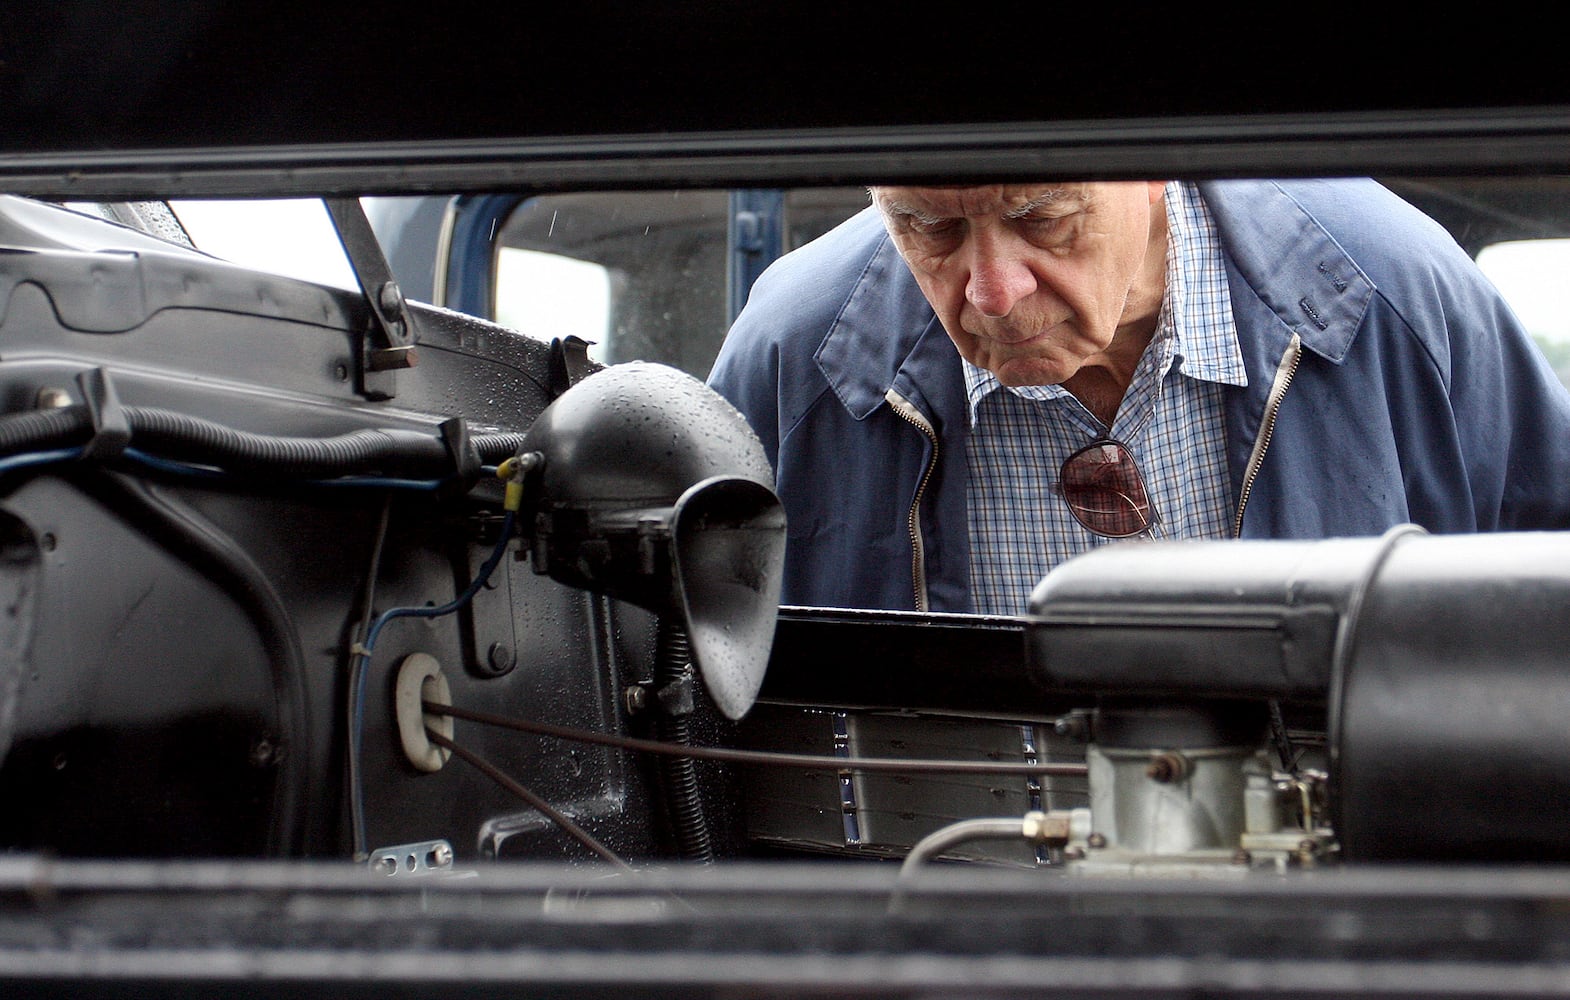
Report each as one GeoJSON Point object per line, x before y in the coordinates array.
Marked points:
{"type": "Point", "coordinates": [1019, 372]}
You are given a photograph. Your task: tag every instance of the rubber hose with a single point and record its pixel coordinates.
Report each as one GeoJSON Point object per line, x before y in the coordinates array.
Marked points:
{"type": "Point", "coordinates": [187, 438]}
{"type": "Point", "coordinates": [36, 430]}
{"type": "Point", "coordinates": [205, 442]}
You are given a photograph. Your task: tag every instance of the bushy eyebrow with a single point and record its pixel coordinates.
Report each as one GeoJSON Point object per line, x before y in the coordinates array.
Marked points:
{"type": "Point", "coordinates": [1054, 196]}
{"type": "Point", "coordinates": [902, 209]}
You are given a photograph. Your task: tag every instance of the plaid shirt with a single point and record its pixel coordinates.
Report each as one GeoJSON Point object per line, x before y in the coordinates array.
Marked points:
{"type": "Point", "coordinates": [1171, 420]}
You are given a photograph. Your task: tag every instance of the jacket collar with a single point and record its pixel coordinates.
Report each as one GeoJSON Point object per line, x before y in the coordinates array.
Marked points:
{"type": "Point", "coordinates": [1297, 269]}
{"type": "Point", "coordinates": [884, 327]}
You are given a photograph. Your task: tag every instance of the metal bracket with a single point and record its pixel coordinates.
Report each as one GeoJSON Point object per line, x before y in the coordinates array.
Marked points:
{"type": "Point", "coordinates": [569, 363]}
{"type": "Point", "coordinates": [425, 858]}
{"type": "Point", "coordinates": [388, 344]}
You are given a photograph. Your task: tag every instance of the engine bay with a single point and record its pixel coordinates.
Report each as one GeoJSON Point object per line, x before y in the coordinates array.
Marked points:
{"type": "Point", "coordinates": [376, 607]}
{"type": "Point", "coordinates": [259, 604]}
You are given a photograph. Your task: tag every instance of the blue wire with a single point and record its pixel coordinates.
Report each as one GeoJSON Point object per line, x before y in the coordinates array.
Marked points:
{"type": "Point", "coordinates": [169, 465]}
{"type": "Point", "coordinates": [357, 801]}
{"type": "Point", "coordinates": [32, 458]}
{"type": "Point", "coordinates": [209, 472]}
{"type": "Point", "coordinates": [26, 460]}
{"type": "Point", "coordinates": [382, 482]}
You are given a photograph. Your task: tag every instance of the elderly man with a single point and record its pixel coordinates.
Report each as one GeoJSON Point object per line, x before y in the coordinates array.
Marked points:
{"type": "Point", "coordinates": [963, 386]}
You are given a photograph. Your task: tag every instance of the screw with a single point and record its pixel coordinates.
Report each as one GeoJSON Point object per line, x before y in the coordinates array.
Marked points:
{"type": "Point", "coordinates": [441, 856]}
{"type": "Point", "coordinates": [1242, 857]}
{"type": "Point", "coordinates": [1096, 840]}
{"type": "Point", "coordinates": [387, 865]}
{"type": "Point", "coordinates": [262, 753]}
{"type": "Point", "coordinates": [635, 698]}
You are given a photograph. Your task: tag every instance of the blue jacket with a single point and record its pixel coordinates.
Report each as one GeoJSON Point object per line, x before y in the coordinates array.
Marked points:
{"type": "Point", "coordinates": [1387, 383]}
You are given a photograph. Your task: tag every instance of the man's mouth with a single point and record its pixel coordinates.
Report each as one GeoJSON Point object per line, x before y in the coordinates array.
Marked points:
{"type": "Point", "coordinates": [1017, 338]}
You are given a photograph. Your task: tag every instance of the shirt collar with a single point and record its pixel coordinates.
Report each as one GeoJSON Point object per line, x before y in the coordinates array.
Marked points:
{"type": "Point", "coordinates": [1198, 302]}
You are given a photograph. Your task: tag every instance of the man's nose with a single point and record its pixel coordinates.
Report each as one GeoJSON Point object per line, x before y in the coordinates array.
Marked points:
{"type": "Point", "coordinates": [999, 277]}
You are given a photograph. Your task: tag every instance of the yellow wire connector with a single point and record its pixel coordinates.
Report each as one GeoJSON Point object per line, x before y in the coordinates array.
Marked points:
{"type": "Point", "coordinates": [512, 472]}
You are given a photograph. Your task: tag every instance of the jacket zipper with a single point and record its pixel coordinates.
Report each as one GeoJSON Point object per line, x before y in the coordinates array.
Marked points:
{"type": "Point", "coordinates": [918, 564]}
{"type": "Point", "coordinates": [1285, 370]}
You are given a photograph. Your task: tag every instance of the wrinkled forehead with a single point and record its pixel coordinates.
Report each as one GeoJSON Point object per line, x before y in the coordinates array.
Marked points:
{"type": "Point", "coordinates": [987, 199]}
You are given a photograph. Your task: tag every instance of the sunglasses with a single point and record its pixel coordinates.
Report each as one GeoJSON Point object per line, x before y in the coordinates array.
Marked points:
{"type": "Point", "coordinates": [1104, 491]}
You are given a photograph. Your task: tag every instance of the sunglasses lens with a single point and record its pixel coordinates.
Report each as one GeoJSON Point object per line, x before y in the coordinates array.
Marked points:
{"type": "Point", "coordinates": [1103, 489]}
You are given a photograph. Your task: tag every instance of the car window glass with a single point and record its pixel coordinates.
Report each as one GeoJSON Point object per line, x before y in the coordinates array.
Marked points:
{"type": "Point", "coordinates": [292, 237]}
{"type": "Point", "coordinates": [548, 295]}
{"type": "Point", "coordinates": [660, 258]}
{"type": "Point", "coordinates": [811, 212]}
{"type": "Point", "coordinates": [643, 275]}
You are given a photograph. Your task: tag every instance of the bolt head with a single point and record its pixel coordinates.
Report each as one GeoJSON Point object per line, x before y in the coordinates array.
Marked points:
{"type": "Point", "coordinates": [391, 299]}
{"type": "Point", "coordinates": [263, 753]}
{"type": "Point", "coordinates": [52, 398]}
{"type": "Point", "coordinates": [1166, 768]}
{"type": "Point", "coordinates": [635, 698]}
{"type": "Point", "coordinates": [499, 657]}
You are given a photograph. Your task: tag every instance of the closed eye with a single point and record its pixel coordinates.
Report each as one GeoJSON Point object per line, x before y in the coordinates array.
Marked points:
{"type": "Point", "coordinates": [932, 227]}
{"type": "Point", "coordinates": [1053, 232]}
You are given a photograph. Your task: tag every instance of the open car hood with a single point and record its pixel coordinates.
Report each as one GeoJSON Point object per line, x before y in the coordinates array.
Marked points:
{"type": "Point", "coordinates": [209, 99]}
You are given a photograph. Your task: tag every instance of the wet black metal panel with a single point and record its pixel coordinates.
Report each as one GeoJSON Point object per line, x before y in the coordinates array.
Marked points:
{"type": "Point", "coordinates": [178, 684]}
